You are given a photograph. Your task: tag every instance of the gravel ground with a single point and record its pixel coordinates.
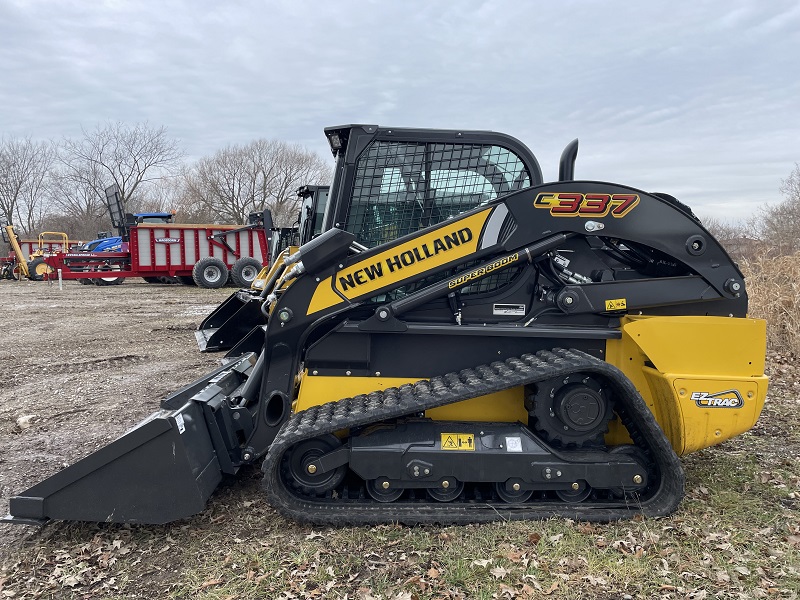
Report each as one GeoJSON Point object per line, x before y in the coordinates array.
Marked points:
{"type": "Point", "coordinates": [81, 365]}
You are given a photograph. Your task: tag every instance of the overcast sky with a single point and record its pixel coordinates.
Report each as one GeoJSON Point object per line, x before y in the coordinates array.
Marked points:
{"type": "Point", "coordinates": [697, 99]}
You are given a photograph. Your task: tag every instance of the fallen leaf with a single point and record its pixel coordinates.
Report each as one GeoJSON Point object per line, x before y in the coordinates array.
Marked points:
{"type": "Point", "coordinates": [553, 587]}
{"type": "Point", "coordinates": [534, 538]}
{"type": "Point", "coordinates": [594, 580]}
{"type": "Point", "coordinates": [433, 573]}
{"type": "Point", "coordinates": [482, 563]}
{"type": "Point", "coordinates": [210, 582]}
{"type": "Point", "coordinates": [507, 591]}
{"type": "Point", "coordinates": [498, 572]}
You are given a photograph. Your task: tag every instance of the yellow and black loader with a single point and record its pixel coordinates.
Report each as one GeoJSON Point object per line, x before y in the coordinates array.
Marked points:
{"type": "Point", "coordinates": [463, 342]}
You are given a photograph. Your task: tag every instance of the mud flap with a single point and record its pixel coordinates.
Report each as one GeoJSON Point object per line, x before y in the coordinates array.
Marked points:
{"type": "Point", "coordinates": [230, 322]}
{"type": "Point", "coordinates": [163, 469]}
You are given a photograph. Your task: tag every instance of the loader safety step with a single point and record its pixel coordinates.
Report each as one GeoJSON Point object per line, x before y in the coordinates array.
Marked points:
{"type": "Point", "coordinates": [661, 497]}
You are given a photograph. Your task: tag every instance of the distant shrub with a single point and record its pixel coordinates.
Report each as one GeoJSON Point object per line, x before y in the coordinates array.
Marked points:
{"type": "Point", "coordinates": [773, 287]}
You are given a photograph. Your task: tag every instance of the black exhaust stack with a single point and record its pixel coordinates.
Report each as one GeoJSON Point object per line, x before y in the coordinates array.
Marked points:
{"type": "Point", "coordinates": [566, 165]}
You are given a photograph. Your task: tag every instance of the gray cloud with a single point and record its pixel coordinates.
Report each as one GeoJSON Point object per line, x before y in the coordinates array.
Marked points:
{"type": "Point", "coordinates": [699, 101]}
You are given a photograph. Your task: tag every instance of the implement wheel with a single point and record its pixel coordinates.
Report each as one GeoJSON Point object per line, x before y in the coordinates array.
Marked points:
{"type": "Point", "coordinates": [102, 281]}
{"type": "Point", "coordinates": [210, 272]}
{"type": "Point", "coordinates": [244, 271]}
{"type": "Point", "coordinates": [38, 269]}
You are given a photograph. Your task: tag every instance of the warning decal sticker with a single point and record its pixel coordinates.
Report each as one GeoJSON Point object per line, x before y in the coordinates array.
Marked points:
{"type": "Point", "coordinates": [458, 441]}
{"type": "Point", "coordinates": [617, 304]}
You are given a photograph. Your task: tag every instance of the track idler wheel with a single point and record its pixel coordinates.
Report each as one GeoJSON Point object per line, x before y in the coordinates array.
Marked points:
{"type": "Point", "coordinates": [381, 490]}
{"type": "Point", "coordinates": [637, 454]}
{"type": "Point", "coordinates": [448, 490]}
{"type": "Point", "coordinates": [300, 474]}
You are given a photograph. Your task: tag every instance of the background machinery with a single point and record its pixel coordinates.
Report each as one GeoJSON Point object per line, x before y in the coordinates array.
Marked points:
{"type": "Point", "coordinates": [15, 265]}
{"type": "Point", "coordinates": [152, 247]}
{"type": "Point", "coordinates": [462, 342]}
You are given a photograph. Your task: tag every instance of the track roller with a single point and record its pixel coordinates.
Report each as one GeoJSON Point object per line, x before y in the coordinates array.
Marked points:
{"type": "Point", "coordinates": [382, 490]}
{"type": "Point", "coordinates": [516, 495]}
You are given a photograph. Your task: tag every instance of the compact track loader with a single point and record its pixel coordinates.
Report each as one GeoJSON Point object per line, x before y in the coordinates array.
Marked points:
{"type": "Point", "coordinates": [463, 342]}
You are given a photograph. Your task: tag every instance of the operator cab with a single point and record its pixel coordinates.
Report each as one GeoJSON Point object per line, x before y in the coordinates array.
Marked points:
{"type": "Point", "coordinates": [397, 181]}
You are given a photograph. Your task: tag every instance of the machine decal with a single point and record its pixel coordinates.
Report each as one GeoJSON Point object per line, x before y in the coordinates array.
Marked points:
{"type": "Point", "coordinates": [453, 240]}
{"type": "Point", "coordinates": [726, 399]}
{"type": "Point", "coordinates": [168, 240]}
{"type": "Point", "coordinates": [616, 304]}
{"type": "Point", "coordinates": [563, 204]}
{"type": "Point", "coordinates": [180, 423]}
{"type": "Point", "coordinates": [458, 441]}
{"type": "Point", "coordinates": [404, 259]}
{"type": "Point", "coordinates": [508, 309]}
{"type": "Point", "coordinates": [491, 234]}
{"type": "Point", "coordinates": [478, 273]}
{"type": "Point", "coordinates": [513, 444]}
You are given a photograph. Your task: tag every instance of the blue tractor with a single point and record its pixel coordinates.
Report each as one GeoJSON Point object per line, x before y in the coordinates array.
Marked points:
{"type": "Point", "coordinates": [105, 242]}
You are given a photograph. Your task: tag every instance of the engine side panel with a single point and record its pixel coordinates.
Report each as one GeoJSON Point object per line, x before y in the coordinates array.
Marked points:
{"type": "Point", "coordinates": [702, 377]}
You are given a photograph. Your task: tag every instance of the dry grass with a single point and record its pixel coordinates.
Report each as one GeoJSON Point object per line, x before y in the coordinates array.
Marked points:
{"type": "Point", "coordinates": [773, 286]}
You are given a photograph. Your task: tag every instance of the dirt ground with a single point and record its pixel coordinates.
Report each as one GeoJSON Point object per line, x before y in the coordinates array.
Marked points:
{"type": "Point", "coordinates": [81, 365]}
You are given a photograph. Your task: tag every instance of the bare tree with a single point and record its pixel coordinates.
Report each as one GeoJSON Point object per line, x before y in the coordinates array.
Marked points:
{"type": "Point", "coordinates": [739, 238]}
{"type": "Point", "coordinates": [779, 225]}
{"type": "Point", "coordinates": [238, 180]}
{"type": "Point", "coordinates": [133, 157]}
{"type": "Point", "coordinates": [24, 180]}
{"type": "Point", "coordinates": [78, 198]}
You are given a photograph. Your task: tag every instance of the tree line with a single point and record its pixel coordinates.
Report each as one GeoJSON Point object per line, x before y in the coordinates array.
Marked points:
{"type": "Point", "coordinates": [59, 185]}
{"type": "Point", "coordinates": [773, 230]}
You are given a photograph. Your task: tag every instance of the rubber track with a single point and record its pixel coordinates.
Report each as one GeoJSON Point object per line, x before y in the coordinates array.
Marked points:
{"type": "Point", "coordinates": [438, 391]}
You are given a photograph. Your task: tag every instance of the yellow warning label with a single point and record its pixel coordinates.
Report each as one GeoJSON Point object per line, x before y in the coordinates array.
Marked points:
{"type": "Point", "coordinates": [618, 304]}
{"type": "Point", "coordinates": [458, 441]}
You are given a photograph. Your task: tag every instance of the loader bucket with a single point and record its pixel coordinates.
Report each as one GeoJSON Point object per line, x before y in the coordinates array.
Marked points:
{"type": "Point", "coordinates": [229, 323]}
{"type": "Point", "coordinates": [163, 469]}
